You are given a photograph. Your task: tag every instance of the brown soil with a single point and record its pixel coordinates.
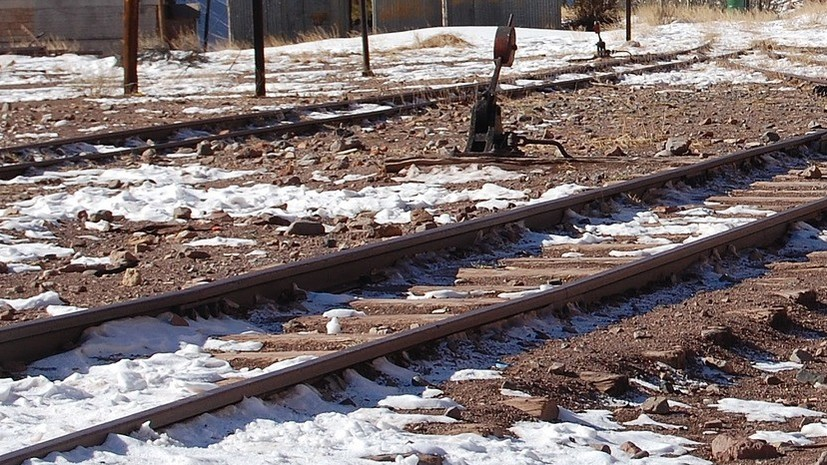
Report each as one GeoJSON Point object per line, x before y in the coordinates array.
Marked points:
{"type": "Point", "coordinates": [590, 122]}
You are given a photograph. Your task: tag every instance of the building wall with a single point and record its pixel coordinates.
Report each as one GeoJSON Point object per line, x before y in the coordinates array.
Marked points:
{"type": "Point", "coordinates": [398, 15]}
{"type": "Point", "coordinates": [290, 18]}
{"type": "Point", "coordinates": [93, 25]}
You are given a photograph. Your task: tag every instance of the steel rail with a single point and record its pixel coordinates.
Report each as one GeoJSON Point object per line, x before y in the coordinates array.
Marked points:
{"type": "Point", "coordinates": [39, 338]}
{"type": "Point", "coordinates": [623, 278]}
{"type": "Point", "coordinates": [784, 74]}
{"type": "Point", "coordinates": [246, 118]}
{"type": "Point", "coordinates": [12, 170]}
{"type": "Point", "coordinates": [400, 98]}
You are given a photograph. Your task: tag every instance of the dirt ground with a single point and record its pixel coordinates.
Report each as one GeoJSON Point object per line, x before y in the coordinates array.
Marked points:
{"type": "Point", "coordinates": [628, 125]}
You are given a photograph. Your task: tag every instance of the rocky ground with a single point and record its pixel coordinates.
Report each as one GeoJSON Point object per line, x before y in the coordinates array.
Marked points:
{"type": "Point", "coordinates": [628, 126]}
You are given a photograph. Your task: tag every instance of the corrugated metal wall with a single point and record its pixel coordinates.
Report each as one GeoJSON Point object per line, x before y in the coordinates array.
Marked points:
{"type": "Point", "coordinates": [398, 15]}
{"type": "Point", "coordinates": [94, 25]}
{"type": "Point", "coordinates": [290, 18]}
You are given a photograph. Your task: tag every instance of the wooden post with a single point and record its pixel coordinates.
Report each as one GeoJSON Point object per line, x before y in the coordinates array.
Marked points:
{"type": "Point", "coordinates": [628, 20]}
{"type": "Point", "coordinates": [207, 24]}
{"type": "Point", "coordinates": [258, 45]}
{"type": "Point", "coordinates": [131, 9]}
{"type": "Point", "coordinates": [163, 32]}
{"type": "Point", "coordinates": [365, 47]}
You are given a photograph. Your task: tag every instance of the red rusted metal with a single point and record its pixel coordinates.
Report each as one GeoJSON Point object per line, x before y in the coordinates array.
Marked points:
{"type": "Point", "coordinates": [621, 279]}
{"type": "Point", "coordinates": [36, 339]}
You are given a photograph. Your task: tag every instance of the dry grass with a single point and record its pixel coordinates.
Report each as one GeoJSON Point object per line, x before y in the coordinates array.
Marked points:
{"type": "Point", "coordinates": [814, 11]}
{"type": "Point", "coordinates": [442, 40]}
{"type": "Point", "coordinates": [185, 41]}
{"type": "Point", "coordinates": [655, 13]}
{"type": "Point", "coordinates": [439, 40]}
{"type": "Point", "coordinates": [317, 34]}
{"type": "Point", "coordinates": [50, 44]}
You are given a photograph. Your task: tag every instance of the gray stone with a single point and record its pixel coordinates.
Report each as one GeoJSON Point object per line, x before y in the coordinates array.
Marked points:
{"type": "Point", "coordinates": [306, 228]}
{"type": "Point", "coordinates": [349, 143]}
{"type": "Point", "coordinates": [131, 278]}
{"type": "Point", "coordinates": [182, 213]}
{"type": "Point", "coordinates": [608, 383]}
{"type": "Point", "coordinates": [149, 155]}
{"type": "Point", "coordinates": [6, 312]}
{"type": "Point", "coordinates": [204, 148]}
{"type": "Point", "coordinates": [308, 160]}
{"type": "Point", "coordinates": [292, 181]}
{"type": "Point", "coordinates": [196, 254]}
{"type": "Point", "coordinates": [770, 136]}
{"type": "Point", "coordinates": [675, 358]}
{"type": "Point", "coordinates": [720, 335]}
{"type": "Point", "coordinates": [453, 412]}
{"type": "Point", "coordinates": [720, 364]}
{"type": "Point", "coordinates": [602, 448]}
{"type": "Point", "coordinates": [811, 172]}
{"type": "Point", "coordinates": [276, 220]}
{"type": "Point", "coordinates": [677, 145]}
{"type": "Point", "coordinates": [801, 356]}
{"type": "Point", "coordinates": [123, 258]}
{"type": "Point", "coordinates": [387, 230]}
{"type": "Point", "coordinates": [101, 215]}
{"type": "Point", "coordinates": [805, 297]}
{"type": "Point", "coordinates": [659, 405]}
{"type": "Point", "coordinates": [632, 449]}
{"type": "Point", "coordinates": [713, 424]}
{"type": "Point", "coordinates": [772, 380]}
{"type": "Point", "coordinates": [616, 152]}
{"type": "Point", "coordinates": [809, 377]}
{"type": "Point", "coordinates": [727, 448]}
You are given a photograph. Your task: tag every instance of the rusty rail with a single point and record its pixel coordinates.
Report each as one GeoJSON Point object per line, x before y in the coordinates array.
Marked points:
{"type": "Point", "coordinates": [39, 338]}
{"type": "Point", "coordinates": [403, 102]}
{"type": "Point", "coordinates": [620, 279]}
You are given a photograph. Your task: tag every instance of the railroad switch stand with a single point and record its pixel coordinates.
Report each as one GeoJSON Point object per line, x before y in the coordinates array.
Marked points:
{"type": "Point", "coordinates": [601, 46]}
{"type": "Point", "coordinates": [602, 51]}
{"type": "Point", "coordinates": [486, 135]}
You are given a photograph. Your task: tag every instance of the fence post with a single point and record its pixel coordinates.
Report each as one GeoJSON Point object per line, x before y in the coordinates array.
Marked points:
{"type": "Point", "coordinates": [365, 47]}
{"type": "Point", "coordinates": [131, 9]}
{"type": "Point", "coordinates": [258, 45]}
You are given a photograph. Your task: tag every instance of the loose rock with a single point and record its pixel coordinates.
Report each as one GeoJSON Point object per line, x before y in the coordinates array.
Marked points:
{"type": "Point", "coordinates": [727, 448]}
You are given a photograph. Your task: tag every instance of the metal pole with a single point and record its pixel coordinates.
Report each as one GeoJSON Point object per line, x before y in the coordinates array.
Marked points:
{"type": "Point", "coordinates": [444, 13]}
{"type": "Point", "coordinates": [131, 9]}
{"type": "Point", "coordinates": [365, 47]}
{"type": "Point", "coordinates": [207, 24]}
{"type": "Point", "coordinates": [258, 45]}
{"type": "Point", "coordinates": [628, 20]}
{"type": "Point", "coordinates": [163, 33]}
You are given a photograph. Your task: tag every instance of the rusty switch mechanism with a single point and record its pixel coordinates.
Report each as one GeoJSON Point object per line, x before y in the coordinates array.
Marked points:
{"type": "Point", "coordinates": [602, 51]}
{"type": "Point", "coordinates": [486, 135]}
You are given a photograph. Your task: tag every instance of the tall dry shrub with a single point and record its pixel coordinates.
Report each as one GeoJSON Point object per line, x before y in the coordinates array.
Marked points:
{"type": "Point", "coordinates": [586, 12]}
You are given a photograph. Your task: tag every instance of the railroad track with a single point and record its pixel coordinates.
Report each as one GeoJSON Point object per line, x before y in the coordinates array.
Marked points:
{"type": "Point", "coordinates": [555, 281]}
{"type": "Point", "coordinates": [21, 158]}
{"type": "Point", "coordinates": [819, 84]}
